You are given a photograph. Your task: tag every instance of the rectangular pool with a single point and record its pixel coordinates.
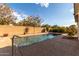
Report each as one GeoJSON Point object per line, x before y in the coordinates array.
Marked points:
{"type": "Point", "coordinates": [29, 40]}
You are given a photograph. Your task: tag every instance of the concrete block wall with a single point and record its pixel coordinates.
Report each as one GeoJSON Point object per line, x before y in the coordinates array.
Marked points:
{"type": "Point", "coordinates": [17, 30]}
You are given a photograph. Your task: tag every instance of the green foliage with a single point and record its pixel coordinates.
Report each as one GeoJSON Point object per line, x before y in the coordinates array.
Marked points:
{"type": "Point", "coordinates": [47, 27]}
{"type": "Point", "coordinates": [43, 30]}
{"type": "Point", "coordinates": [31, 21]}
{"type": "Point", "coordinates": [72, 30]}
{"type": "Point", "coordinates": [26, 30]}
{"type": "Point", "coordinates": [6, 21]}
{"type": "Point", "coordinates": [58, 29]}
{"type": "Point", "coordinates": [6, 16]}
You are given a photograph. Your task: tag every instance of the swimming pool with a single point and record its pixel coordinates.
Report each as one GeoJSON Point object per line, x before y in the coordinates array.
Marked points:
{"type": "Point", "coordinates": [29, 40]}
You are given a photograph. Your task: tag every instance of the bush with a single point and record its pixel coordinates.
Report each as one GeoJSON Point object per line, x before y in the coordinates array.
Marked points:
{"type": "Point", "coordinates": [72, 30]}
{"type": "Point", "coordinates": [5, 35]}
{"type": "Point", "coordinates": [25, 30]}
{"type": "Point", "coordinates": [59, 30]}
{"type": "Point", "coordinates": [43, 30]}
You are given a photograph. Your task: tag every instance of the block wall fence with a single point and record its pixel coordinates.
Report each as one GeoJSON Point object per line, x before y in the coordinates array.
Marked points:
{"type": "Point", "coordinates": [17, 30]}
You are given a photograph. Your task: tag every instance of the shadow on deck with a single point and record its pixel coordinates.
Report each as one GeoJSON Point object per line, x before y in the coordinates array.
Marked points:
{"type": "Point", "coordinates": [6, 51]}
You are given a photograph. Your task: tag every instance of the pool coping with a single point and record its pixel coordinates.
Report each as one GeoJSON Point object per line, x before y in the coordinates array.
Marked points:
{"type": "Point", "coordinates": [30, 34]}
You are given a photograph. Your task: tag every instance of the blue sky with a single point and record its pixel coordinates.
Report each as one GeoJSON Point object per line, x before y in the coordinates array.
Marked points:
{"type": "Point", "coordinates": [52, 14]}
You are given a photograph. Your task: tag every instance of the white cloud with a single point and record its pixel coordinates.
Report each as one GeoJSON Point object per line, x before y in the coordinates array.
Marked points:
{"type": "Point", "coordinates": [72, 10]}
{"type": "Point", "coordinates": [19, 16]}
{"type": "Point", "coordinates": [71, 22]}
{"type": "Point", "coordinates": [43, 4]}
{"type": "Point", "coordinates": [67, 25]}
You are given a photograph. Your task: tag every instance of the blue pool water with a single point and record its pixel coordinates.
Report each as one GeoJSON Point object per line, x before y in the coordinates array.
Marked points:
{"type": "Point", "coordinates": [25, 41]}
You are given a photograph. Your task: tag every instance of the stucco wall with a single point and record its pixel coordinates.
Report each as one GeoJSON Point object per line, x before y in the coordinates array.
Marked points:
{"type": "Point", "coordinates": [76, 8]}
{"type": "Point", "coordinates": [16, 30]}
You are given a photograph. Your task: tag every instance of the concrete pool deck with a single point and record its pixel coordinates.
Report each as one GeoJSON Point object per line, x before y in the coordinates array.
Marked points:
{"type": "Point", "coordinates": [56, 47]}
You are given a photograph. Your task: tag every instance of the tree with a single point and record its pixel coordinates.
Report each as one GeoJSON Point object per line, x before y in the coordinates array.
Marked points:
{"type": "Point", "coordinates": [72, 30]}
{"type": "Point", "coordinates": [34, 21]}
{"type": "Point", "coordinates": [58, 29]}
{"type": "Point", "coordinates": [6, 16]}
{"type": "Point", "coordinates": [47, 27]}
